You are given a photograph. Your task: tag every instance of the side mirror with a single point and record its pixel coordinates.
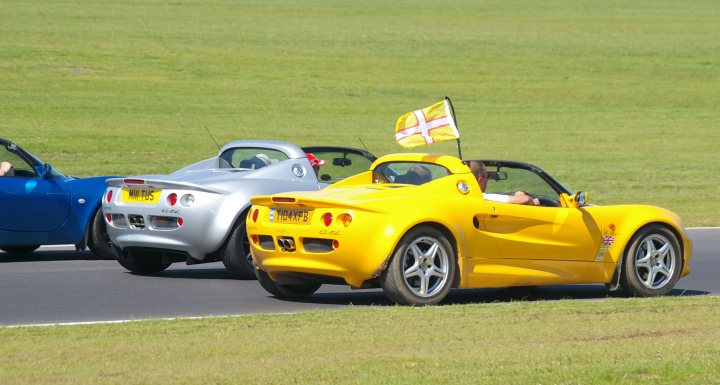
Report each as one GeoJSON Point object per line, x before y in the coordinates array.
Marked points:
{"type": "Point", "coordinates": [342, 162]}
{"type": "Point", "coordinates": [581, 199]}
{"type": "Point", "coordinates": [45, 171]}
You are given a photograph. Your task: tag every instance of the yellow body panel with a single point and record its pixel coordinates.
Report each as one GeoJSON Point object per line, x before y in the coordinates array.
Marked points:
{"type": "Point", "coordinates": [497, 244]}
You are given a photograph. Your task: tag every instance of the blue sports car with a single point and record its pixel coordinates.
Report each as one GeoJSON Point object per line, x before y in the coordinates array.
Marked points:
{"type": "Point", "coordinates": [41, 206]}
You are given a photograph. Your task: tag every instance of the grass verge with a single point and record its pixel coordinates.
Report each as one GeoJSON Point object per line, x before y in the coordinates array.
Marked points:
{"type": "Point", "coordinates": [666, 340]}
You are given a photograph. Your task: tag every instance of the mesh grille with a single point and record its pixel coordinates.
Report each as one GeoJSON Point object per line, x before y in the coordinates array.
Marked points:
{"type": "Point", "coordinates": [317, 245]}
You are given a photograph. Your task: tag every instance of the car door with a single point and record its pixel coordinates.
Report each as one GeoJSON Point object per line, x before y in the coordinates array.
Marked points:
{"type": "Point", "coordinates": [547, 233]}
{"type": "Point", "coordinates": [30, 203]}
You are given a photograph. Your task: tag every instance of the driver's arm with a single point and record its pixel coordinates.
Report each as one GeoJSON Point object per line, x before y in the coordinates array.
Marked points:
{"type": "Point", "coordinates": [522, 198]}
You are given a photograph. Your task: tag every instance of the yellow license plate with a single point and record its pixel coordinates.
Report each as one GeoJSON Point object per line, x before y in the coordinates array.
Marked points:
{"type": "Point", "coordinates": [134, 195]}
{"type": "Point", "coordinates": [295, 216]}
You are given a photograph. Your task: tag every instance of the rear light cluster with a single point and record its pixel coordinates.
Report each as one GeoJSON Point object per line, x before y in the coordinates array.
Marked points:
{"type": "Point", "coordinates": [344, 219]}
{"type": "Point", "coordinates": [108, 196]}
{"type": "Point", "coordinates": [186, 200]}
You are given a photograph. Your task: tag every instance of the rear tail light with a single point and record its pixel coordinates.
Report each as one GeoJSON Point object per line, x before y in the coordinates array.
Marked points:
{"type": "Point", "coordinates": [255, 215]}
{"type": "Point", "coordinates": [180, 222]}
{"type": "Point", "coordinates": [336, 244]}
{"type": "Point", "coordinates": [171, 199]}
{"type": "Point", "coordinates": [327, 219]}
{"type": "Point", "coordinates": [254, 239]}
{"type": "Point", "coordinates": [109, 218]}
{"type": "Point", "coordinates": [346, 219]}
{"type": "Point", "coordinates": [187, 200]}
{"type": "Point", "coordinates": [108, 197]}
{"type": "Point", "coordinates": [134, 181]}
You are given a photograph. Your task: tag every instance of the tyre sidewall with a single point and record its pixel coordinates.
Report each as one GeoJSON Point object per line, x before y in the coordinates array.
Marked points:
{"type": "Point", "coordinates": [392, 279]}
{"type": "Point", "coordinates": [629, 279]}
{"type": "Point", "coordinates": [234, 254]}
{"type": "Point", "coordinates": [99, 236]}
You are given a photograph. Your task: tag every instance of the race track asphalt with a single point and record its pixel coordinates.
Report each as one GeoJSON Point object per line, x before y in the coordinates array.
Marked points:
{"type": "Point", "coordinates": [60, 285]}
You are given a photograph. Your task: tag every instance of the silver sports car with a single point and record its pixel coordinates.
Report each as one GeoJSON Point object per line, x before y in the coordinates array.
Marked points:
{"type": "Point", "coordinates": [197, 214]}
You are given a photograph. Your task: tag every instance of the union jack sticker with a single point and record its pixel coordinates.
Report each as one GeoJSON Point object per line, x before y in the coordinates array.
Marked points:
{"type": "Point", "coordinates": [272, 215]}
{"type": "Point", "coordinates": [608, 239]}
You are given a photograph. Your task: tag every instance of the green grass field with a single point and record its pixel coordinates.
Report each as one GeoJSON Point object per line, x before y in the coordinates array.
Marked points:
{"type": "Point", "coordinates": [672, 340]}
{"type": "Point", "coordinates": [618, 98]}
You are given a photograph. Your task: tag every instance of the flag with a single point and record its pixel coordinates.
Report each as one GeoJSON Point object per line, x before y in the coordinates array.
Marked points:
{"type": "Point", "coordinates": [428, 125]}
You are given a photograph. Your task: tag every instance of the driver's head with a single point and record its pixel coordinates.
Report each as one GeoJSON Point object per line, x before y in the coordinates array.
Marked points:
{"type": "Point", "coordinates": [480, 172]}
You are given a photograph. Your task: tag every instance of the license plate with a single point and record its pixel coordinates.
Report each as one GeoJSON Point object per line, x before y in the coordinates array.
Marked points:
{"type": "Point", "coordinates": [295, 216]}
{"type": "Point", "coordinates": [133, 195]}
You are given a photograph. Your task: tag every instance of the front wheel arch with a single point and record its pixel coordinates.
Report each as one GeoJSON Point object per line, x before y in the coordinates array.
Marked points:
{"type": "Point", "coordinates": [630, 280]}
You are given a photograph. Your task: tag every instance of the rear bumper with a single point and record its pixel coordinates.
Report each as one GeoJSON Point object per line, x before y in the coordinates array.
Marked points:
{"type": "Point", "coordinates": [355, 254]}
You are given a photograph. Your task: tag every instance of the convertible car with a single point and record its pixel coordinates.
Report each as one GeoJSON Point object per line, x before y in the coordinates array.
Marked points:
{"type": "Point", "coordinates": [197, 214]}
{"type": "Point", "coordinates": [418, 225]}
{"type": "Point", "coordinates": [41, 206]}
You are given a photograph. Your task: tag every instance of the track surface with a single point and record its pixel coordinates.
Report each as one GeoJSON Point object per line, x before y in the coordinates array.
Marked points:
{"type": "Point", "coordinates": [58, 285]}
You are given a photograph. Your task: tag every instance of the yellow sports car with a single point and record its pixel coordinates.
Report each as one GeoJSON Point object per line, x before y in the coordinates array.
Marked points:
{"type": "Point", "coordinates": [418, 225]}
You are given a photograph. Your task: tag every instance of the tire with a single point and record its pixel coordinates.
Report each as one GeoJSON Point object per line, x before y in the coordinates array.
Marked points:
{"type": "Point", "coordinates": [652, 262]}
{"type": "Point", "coordinates": [236, 253]}
{"type": "Point", "coordinates": [19, 249]}
{"type": "Point", "coordinates": [100, 243]}
{"type": "Point", "coordinates": [150, 264]}
{"type": "Point", "coordinates": [285, 291]}
{"type": "Point", "coordinates": [422, 269]}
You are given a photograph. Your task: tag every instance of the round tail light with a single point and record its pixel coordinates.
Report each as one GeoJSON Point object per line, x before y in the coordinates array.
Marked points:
{"type": "Point", "coordinates": [180, 222]}
{"type": "Point", "coordinates": [336, 244]}
{"type": "Point", "coordinates": [327, 219]}
{"type": "Point", "coordinates": [172, 199]}
{"type": "Point", "coordinates": [109, 218]}
{"type": "Point", "coordinates": [255, 215]}
{"type": "Point", "coordinates": [108, 197]}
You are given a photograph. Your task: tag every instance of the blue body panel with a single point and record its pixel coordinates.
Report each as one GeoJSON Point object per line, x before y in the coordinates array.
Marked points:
{"type": "Point", "coordinates": [47, 207]}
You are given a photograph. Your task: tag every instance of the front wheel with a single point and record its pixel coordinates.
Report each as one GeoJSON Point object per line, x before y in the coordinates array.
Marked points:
{"type": "Point", "coordinates": [100, 243]}
{"type": "Point", "coordinates": [422, 269]}
{"type": "Point", "coordinates": [285, 291]}
{"type": "Point", "coordinates": [236, 254]}
{"type": "Point", "coordinates": [651, 263]}
{"type": "Point", "coordinates": [148, 264]}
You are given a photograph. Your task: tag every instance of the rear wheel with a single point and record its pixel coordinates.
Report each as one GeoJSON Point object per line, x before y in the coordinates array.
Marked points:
{"type": "Point", "coordinates": [422, 269]}
{"type": "Point", "coordinates": [285, 291]}
{"type": "Point", "coordinates": [100, 243]}
{"type": "Point", "coordinates": [149, 264]}
{"type": "Point", "coordinates": [652, 262]}
{"type": "Point", "coordinates": [236, 254]}
{"type": "Point", "coordinates": [19, 249]}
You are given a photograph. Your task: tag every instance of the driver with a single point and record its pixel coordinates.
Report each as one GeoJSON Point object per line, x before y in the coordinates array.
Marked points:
{"type": "Point", "coordinates": [6, 169]}
{"type": "Point", "coordinates": [480, 171]}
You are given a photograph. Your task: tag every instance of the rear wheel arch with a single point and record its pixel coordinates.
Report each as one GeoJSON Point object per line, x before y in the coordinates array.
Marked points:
{"type": "Point", "coordinates": [423, 266]}
{"type": "Point", "coordinates": [450, 237]}
{"type": "Point", "coordinates": [235, 249]}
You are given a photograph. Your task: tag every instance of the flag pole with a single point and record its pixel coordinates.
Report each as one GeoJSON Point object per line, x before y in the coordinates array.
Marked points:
{"type": "Point", "coordinates": [452, 109]}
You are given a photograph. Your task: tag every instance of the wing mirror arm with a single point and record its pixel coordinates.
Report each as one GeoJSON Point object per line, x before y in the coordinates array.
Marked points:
{"type": "Point", "coordinates": [580, 198]}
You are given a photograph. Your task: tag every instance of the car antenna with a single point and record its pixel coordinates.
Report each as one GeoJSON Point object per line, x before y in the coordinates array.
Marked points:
{"type": "Point", "coordinates": [363, 144]}
{"type": "Point", "coordinates": [211, 137]}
